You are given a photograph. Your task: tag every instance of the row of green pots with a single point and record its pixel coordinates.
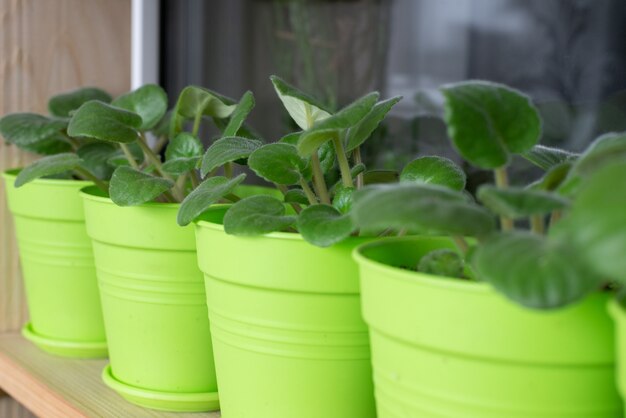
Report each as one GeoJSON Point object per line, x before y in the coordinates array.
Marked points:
{"type": "Point", "coordinates": [286, 329]}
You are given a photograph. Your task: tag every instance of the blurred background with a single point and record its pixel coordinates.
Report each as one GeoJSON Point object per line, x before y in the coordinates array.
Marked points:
{"type": "Point", "coordinates": [569, 55]}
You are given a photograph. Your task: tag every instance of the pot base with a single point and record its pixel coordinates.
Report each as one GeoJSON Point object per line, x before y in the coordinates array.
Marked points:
{"type": "Point", "coordinates": [164, 401]}
{"type": "Point", "coordinates": [65, 348]}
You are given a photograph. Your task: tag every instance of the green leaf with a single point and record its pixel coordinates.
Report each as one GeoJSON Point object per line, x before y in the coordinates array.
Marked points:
{"type": "Point", "coordinates": [323, 225]}
{"type": "Point", "coordinates": [604, 150]}
{"type": "Point", "coordinates": [488, 122]}
{"type": "Point", "coordinates": [179, 166]}
{"type": "Point", "coordinates": [596, 223]}
{"type": "Point", "coordinates": [554, 177]}
{"type": "Point", "coordinates": [296, 196]}
{"type": "Point", "coordinates": [434, 170]}
{"type": "Point", "coordinates": [359, 133]}
{"type": "Point", "coordinates": [357, 169]}
{"type": "Point", "coordinates": [533, 271]}
{"type": "Point", "coordinates": [62, 105]}
{"type": "Point", "coordinates": [149, 102]}
{"type": "Point", "coordinates": [342, 200]}
{"type": "Point", "coordinates": [239, 115]}
{"type": "Point", "coordinates": [27, 129]}
{"type": "Point", "coordinates": [118, 158]}
{"type": "Point", "coordinates": [419, 207]}
{"type": "Point", "coordinates": [291, 138]}
{"type": "Point", "coordinates": [194, 101]}
{"type": "Point", "coordinates": [206, 194]}
{"type": "Point", "coordinates": [131, 187]}
{"type": "Point", "coordinates": [184, 145]}
{"type": "Point", "coordinates": [226, 150]}
{"type": "Point", "coordinates": [53, 145]}
{"type": "Point", "coordinates": [95, 156]}
{"type": "Point", "coordinates": [330, 127]}
{"type": "Point", "coordinates": [302, 108]}
{"type": "Point", "coordinates": [101, 121]}
{"type": "Point", "coordinates": [444, 262]}
{"type": "Point", "coordinates": [257, 215]}
{"type": "Point", "coordinates": [278, 163]}
{"type": "Point", "coordinates": [47, 166]}
{"type": "Point", "coordinates": [515, 202]}
{"type": "Point", "coordinates": [546, 157]}
{"type": "Point", "coordinates": [381, 176]}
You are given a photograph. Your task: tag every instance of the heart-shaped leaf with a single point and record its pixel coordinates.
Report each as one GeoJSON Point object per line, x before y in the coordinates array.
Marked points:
{"type": "Point", "coordinates": [443, 262]}
{"type": "Point", "coordinates": [342, 200]}
{"type": "Point", "coordinates": [360, 132]}
{"type": "Point", "coordinates": [53, 145]}
{"type": "Point", "coordinates": [148, 101]}
{"type": "Point", "coordinates": [488, 122]}
{"type": "Point", "coordinates": [533, 271]}
{"type": "Point", "coordinates": [228, 149]}
{"type": "Point", "coordinates": [596, 223]}
{"type": "Point", "coordinates": [239, 115]}
{"type": "Point", "coordinates": [95, 156]}
{"type": "Point", "coordinates": [62, 105]}
{"type": "Point", "coordinates": [195, 101]}
{"type": "Point", "coordinates": [515, 202]}
{"type": "Point", "coordinates": [184, 145]}
{"type": "Point", "coordinates": [419, 207]}
{"type": "Point", "coordinates": [101, 121]}
{"type": "Point", "coordinates": [131, 187]}
{"type": "Point", "coordinates": [434, 170]}
{"type": "Point", "coordinates": [47, 166]}
{"type": "Point", "coordinates": [302, 108]}
{"type": "Point", "coordinates": [323, 225]}
{"type": "Point", "coordinates": [27, 129]}
{"type": "Point", "coordinates": [330, 127]}
{"type": "Point", "coordinates": [257, 215]}
{"type": "Point", "coordinates": [206, 194]}
{"type": "Point", "coordinates": [546, 157]}
{"type": "Point", "coordinates": [278, 163]}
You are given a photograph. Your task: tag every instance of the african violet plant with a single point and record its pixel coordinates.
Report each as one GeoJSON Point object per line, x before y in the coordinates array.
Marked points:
{"type": "Point", "coordinates": [539, 267]}
{"type": "Point", "coordinates": [64, 155]}
{"type": "Point", "coordinates": [302, 165]}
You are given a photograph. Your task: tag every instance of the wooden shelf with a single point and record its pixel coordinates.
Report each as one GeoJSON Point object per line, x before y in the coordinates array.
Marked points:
{"type": "Point", "coordinates": [55, 387]}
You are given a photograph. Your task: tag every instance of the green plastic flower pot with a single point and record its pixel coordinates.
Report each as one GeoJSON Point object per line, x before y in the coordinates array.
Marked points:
{"type": "Point", "coordinates": [287, 330]}
{"type": "Point", "coordinates": [619, 316]}
{"type": "Point", "coordinates": [57, 266]}
{"type": "Point", "coordinates": [154, 305]}
{"type": "Point", "coordinates": [448, 348]}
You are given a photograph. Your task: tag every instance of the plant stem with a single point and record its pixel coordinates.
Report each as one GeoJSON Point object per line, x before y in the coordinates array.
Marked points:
{"type": "Point", "coordinates": [344, 165]}
{"type": "Point", "coordinates": [88, 176]}
{"type": "Point", "coordinates": [461, 244]}
{"type": "Point", "coordinates": [75, 145]}
{"type": "Point", "coordinates": [357, 160]}
{"type": "Point", "coordinates": [537, 225]}
{"type": "Point", "coordinates": [502, 181]}
{"type": "Point", "coordinates": [177, 192]}
{"type": "Point", "coordinates": [228, 170]}
{"type": "Point", "coordinates": [195, 179]}
{"type": "Point", "coordinates": [402, 232]}
{"type": "Point", "coordinates": [284, 190]}
{"type": "Point", "coordinates": [129, 156]}
{"type": "Point", "coordinates": [196, 124]}
{"type": "Point", "coordinates": [318, 179]}
{"type": "Point", "coordinates": [308, 192]}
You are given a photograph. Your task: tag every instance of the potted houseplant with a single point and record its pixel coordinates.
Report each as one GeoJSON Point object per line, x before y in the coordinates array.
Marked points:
{"type": "Point", "coordinates": [55, 252]}
{"type": "Point", "coordinates": [445, 340]}
{"type": "Point", "coordinates": [152, 291]}
{"type": "Point", "coordinates": [287, 331]}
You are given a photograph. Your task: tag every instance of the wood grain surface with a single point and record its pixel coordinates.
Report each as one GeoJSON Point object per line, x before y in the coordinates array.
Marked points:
{"type": "Point", "coordinates": [46, 47]}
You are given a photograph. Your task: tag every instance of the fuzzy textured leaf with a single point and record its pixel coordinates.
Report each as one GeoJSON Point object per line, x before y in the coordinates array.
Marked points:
{"type": "Point", "coordinates": [131, 187]}
{"type": "Point", "coordinates": [323, 225]}
{"type": "Point", "coordinates": [47, 166]}
{"type": "Point", "coordinates": [303, 109]}
{"type": "Point", "coordinates": [533, 271]}
{"type": "Point", "coordinates": [516, 202]}
{"type": "Point", "coordinates": [296, 196]}
{"type": "Point", "coordinates": [101, 121]}
{"type": "Point", "coordinates": [28, 129]}
{"type": "Point", "coordinates": [488, 122]}
{"type": "Point", "coordinates": [226, 150]}
{"type": "Point", "coordinates": [443, 262]}
{"type": "Point", "coordinates": [342, 200]}
{"type": "Point", "coordinates": [419, 207]}
{"type": "Point", "coordinates": [239, 115]}
{"type": "Point", "coordinates": [194, 101]}
{"type": "Point", "coordinates": [62, 105]}
{"type": "Point", "coordinates": [206, 194]}
{"type": "Point", "coordinates": [434, 170]}
{"type": "Point", "coordinates": [148, 101]}
{"type": "Point", "coordinates": [257, 215]}
{"type": "Point", "coordinates": [278, 163]}
{"type": "Point", "coordinates": [359, 133]}
{"type": "Point", "coordinates": [95, 156]}
{"type": "Point", "coordinates": [546, 157]}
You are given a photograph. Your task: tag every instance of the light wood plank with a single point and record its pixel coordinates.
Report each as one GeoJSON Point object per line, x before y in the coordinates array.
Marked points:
{"type": "Point", "coordinates": [55, 387]}
{"type": "Point", "coordinates": [49, 46]}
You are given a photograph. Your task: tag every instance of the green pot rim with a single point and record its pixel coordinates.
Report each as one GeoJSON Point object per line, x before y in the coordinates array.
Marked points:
{"type": "Point", "coordinates": [88, 193]}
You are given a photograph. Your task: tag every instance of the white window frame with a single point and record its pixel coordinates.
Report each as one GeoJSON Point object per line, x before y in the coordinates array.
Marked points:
{"type": "Point", "coordinates": [144, 42]}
